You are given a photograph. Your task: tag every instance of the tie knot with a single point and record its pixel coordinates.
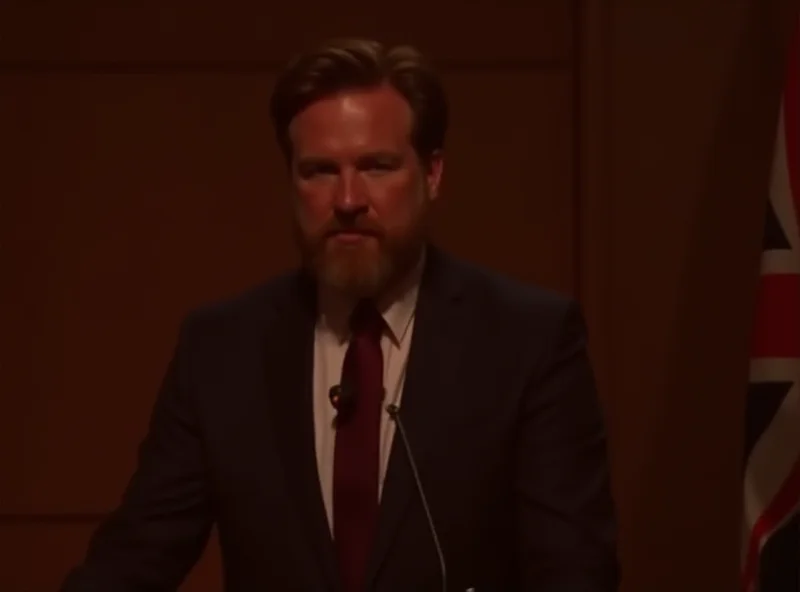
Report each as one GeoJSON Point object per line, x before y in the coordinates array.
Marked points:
{"type": "Point", "coordinates": [366, 321]}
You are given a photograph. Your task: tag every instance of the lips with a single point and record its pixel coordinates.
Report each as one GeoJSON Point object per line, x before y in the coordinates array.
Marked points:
{"type": "Point", "coordinates": [348, 232]}
{"type": "Point", "coordinates": [350, 237]}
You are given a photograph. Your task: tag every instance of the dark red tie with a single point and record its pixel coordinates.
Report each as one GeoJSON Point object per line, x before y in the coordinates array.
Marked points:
{"type": "Point", "coordinates": [356, 460]}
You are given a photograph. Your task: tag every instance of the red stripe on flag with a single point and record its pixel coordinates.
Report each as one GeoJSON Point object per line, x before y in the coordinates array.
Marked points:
{"type": "Point", "coordinates": [776, 333]}
{"type": "Point", "coordinates": [779, 508]}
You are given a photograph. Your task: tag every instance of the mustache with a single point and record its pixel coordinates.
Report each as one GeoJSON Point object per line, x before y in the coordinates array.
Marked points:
{"type": "Point", "coordinates": [367, 227]}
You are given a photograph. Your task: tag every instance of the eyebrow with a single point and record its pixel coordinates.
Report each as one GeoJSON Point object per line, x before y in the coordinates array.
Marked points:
{"type": "Point", "coordinates": [314, 161]}
{"type": "Point", "coordinates": [371, 157]}
{"type": "Point", "coordinates": [382, 155]}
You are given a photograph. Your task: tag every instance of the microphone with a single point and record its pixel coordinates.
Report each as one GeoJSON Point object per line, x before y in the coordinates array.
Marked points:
{"type": "Point", "coordinates": [394, 413]}
{"type": "Point", "coordinates": [342, 397]}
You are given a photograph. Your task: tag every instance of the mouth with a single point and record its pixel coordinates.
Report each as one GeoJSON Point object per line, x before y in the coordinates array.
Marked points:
{"type": "Point", "coordinates": [351, 237]}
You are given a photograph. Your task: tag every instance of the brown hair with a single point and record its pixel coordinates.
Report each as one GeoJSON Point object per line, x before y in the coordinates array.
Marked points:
{"type": "Point", "coordinates": [344, 64]}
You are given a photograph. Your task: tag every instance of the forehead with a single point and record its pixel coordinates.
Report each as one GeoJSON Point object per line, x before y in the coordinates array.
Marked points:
{"type": "Point", "coordinates": [353, 120]}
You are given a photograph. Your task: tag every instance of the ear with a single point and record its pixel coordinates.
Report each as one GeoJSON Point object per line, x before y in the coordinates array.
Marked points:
{"type": "Point", "coordinates": [433, 174]}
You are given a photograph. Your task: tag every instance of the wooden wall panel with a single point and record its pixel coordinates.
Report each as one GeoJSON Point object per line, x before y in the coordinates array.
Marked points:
{"type": "Point", "coordinates": [248, 31]}
{"type": "Point", "coordinates": [37, 553]}
{"type": "Point", "coordinates": [678, 141]}
{"type": "Point", "coordinates": [132, 199]}
{"type": "Point", "coordinates": [137, 196]}
{"type": "Point", "coordinates": [508, 181]}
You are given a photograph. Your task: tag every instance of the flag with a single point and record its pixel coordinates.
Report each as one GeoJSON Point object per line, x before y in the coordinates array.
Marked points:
{"type": "Point", "coordinates": [771, 511]}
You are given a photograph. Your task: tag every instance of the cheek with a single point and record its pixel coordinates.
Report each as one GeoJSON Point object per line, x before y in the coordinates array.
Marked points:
{"type": "Point", "coordinates": [398, 204]}
{"type": "Point", "coordinates": [312, 205]}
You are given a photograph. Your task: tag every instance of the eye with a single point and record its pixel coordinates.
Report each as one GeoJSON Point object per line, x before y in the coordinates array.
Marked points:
{"type": "Point", "coordinates": [380, 164]}
{"type": "Point", "coordinates": [309, 169]}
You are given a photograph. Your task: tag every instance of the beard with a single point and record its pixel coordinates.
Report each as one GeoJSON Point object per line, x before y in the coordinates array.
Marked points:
{"type": "Point", "coordinates": [366, 268]}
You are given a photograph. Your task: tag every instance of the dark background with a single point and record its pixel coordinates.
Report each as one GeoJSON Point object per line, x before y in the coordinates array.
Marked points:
{"type": "Point", "coordinates": [617, 150]}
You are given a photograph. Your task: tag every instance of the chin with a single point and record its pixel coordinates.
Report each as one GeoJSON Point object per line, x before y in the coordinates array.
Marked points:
{"type": "Point", "coordinates": [361, 277]}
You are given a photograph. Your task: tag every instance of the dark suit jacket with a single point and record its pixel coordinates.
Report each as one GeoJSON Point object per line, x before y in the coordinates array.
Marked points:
{"type": "Point", "coordinates": [500, 410]}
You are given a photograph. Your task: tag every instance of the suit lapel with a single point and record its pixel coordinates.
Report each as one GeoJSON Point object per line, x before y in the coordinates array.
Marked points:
{"type": "Point", "coordinates": [429, 393]}
{"type": "Point", "coordinates": [289, 389]}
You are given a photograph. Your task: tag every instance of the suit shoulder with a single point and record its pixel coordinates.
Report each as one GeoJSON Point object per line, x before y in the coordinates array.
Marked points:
{"type": "Point", "coordinates": [249, 306]}
{"type": "Point", "coordinates": [514, 296]}
{"type": "Point", "coordinates": [533, 317]}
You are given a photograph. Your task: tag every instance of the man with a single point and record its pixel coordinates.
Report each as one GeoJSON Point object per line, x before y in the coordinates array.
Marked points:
{"type": "Point", "coordinates": [274, 418]}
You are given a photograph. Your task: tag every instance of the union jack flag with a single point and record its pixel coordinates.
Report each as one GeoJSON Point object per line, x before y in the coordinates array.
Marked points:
{"type": "Point", "coordinates": [771, 541]}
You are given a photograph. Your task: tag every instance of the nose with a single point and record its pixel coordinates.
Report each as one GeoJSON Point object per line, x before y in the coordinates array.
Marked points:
{"type": "Point", "coordinates": [350, 197]}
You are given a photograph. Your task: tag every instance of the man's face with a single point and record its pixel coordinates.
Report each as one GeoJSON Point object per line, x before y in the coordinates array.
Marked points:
{"type": "Point", "coordinates": [361, 192]}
